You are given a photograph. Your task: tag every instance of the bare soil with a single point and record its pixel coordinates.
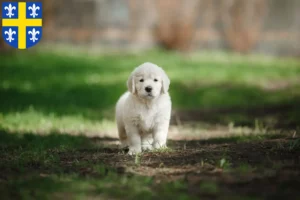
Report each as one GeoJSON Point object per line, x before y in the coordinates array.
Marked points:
{"type": "Point", "coordinates": [263, 169]}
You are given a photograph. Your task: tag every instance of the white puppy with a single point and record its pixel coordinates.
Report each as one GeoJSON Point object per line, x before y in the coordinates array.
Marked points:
{"type": "Point", "coordinates": [143, 114]}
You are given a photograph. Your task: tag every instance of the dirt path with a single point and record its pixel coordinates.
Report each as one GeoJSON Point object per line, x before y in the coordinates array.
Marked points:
{"type": "Point", "coordinates": [265, 168]}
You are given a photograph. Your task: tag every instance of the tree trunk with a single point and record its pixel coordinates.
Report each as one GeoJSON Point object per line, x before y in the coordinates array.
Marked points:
{"type": "Point", "coordinates": [242, 22]}
{"type": "Point", "coordinates": [176, 23]}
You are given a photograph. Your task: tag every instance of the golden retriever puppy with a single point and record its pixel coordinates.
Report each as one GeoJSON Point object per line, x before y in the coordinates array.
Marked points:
{"type": "Point", "coordinates": [143, 113]}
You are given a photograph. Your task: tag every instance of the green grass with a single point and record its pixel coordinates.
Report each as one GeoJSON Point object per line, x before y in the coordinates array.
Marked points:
{"type": "Point", "coordinates": [209, 188]}
{"type": "Point", "coordinates": [50, 92]}
{"type": "Point", "coordinates": [75, 187]}
{"type": "Point", "coordinates": [49, 103]}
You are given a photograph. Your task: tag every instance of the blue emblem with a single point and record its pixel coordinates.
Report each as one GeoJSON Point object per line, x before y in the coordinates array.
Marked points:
{"type": "Point", "coordinates": [22, 23]}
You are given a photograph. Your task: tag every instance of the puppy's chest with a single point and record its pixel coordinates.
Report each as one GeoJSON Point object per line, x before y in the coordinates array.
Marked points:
{"type": "Point", "coordinates": [145, 120]}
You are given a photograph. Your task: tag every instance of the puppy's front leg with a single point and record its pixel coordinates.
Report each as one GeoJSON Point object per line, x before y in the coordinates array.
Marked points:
{"type": "Point", "coordinates": [134, 140]}
{"type": "Point", "coordinates": [160, 135]}
{"type": "Point", "coordinates": [147, 141]}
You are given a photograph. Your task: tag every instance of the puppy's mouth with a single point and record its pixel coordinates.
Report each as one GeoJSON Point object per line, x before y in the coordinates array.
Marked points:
{"type": "Point", "coordinates": [149, 95]}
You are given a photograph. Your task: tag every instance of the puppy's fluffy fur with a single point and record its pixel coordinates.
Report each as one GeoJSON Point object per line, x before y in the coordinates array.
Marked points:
{"type": "Point", "coordinates": [143, 113]}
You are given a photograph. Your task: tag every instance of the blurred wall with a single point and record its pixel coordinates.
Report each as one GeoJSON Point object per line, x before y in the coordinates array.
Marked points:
{"type": "Point", "coordinates": [261, 26]}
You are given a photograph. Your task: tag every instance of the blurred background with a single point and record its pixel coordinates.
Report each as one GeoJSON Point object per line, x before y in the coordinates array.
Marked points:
{"type": "Point", "coordinates": [260, 26]}
{"type": "Point", "coordinates": [230, 62]}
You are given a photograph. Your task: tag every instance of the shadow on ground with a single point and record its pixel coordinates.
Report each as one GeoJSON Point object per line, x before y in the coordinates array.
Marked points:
{"type": "Point", "coordinates": [35, 166]}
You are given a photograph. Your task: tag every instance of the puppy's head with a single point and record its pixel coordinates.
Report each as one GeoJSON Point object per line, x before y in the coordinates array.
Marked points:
{"type": "Point", "coordinates": [148, 81]}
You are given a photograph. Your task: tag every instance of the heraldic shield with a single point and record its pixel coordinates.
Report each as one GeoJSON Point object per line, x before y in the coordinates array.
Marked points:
{"type": "Point", "coordinates": [22, 23]}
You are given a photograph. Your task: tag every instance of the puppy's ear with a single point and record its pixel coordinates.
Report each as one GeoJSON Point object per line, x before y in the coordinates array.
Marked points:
{"type": "Point", "coordinates": [131, 84]}
{"type": "Point", "coordinates": [165, 82]}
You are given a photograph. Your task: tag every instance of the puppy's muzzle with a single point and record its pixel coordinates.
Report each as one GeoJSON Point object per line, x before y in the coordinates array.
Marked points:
{"type": "Point", "coordinates": [148, 89]}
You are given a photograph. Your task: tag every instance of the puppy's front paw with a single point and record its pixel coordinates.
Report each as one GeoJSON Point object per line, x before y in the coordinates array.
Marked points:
{"type": "Point", "coordinates": [157, 145]}
{"type": "Point", "coordinates": [134, 150]}
{"type": "Point", "coordinates": [147, 147]}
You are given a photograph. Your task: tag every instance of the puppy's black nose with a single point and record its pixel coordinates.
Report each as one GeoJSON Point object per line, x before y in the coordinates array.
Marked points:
{"type": "Point", "coordinates": [148, 89]}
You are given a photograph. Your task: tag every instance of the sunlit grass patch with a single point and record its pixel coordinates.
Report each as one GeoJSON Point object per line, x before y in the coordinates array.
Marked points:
{"type": "Point", "coordinates": [34, 121]}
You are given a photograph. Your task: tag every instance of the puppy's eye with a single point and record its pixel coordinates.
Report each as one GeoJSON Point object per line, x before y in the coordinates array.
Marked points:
{"type": "Point", "coordinates": [155, 80]}
{"type": "Point", "coordinates": [142, 80]}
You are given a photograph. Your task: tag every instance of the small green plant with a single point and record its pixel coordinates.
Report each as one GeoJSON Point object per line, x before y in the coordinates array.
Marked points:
{"type": "Point", "coordinates": [137, 159]}
{"type": "Point", "coordinates": [294, 145]}
{"type": "Point", "coordinates": [162, 150]}
{"type": "Point", "coordinates": [259, 127]}
{"type": "Point", "coordinates": [103, 170]}
{"type": "Point", "coordinates": [161, 165]}
{"type": "Point", "coordinates": [224, 164]}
